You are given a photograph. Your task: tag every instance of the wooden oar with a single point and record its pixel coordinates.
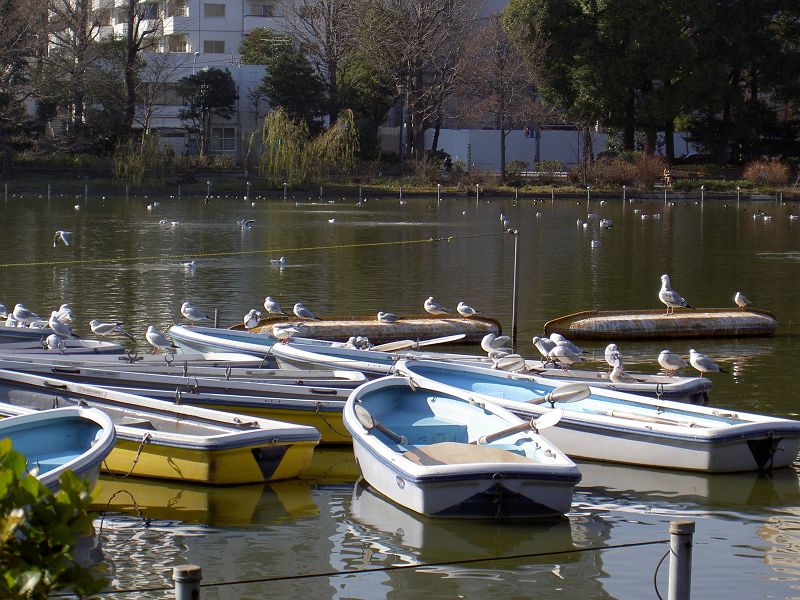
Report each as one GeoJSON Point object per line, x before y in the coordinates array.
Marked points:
{"type": "Point", "coordinates": [572, 392]}
{"type": "Point", "coordinates": [406, 344]}
{"type": "Point", "coordinates": [621, 414]}
{"type": "Point", "coordinates": [548, 419]}
{"type": "Point", "coordinates": [369, 423]}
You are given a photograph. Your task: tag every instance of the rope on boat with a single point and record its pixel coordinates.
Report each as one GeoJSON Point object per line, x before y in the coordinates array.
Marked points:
{"type": "Point", "coordinates": [145, 439]}
{"type": "Point", "coordinates": [159, 257]}
{"type": "Point", "coordinates": [421, 565]}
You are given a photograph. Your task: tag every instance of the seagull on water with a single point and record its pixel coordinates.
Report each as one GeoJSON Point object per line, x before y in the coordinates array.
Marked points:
{"type": "Point", "coordinates": [741, 300]}
{"type": "Point", "coordinates": [388, 318]}
{"type": "Point", "coordinates": [62, 236]}
{"type": "Point", "coordinates": [670, 362]}
{"type": "Point", "coordinates": [704, 364]}
{"type": "Point", "coordinates": [434, 308]}
{"type": "Point", "coordinates": [23, 315]}
{"type": "Point", "coordinates": [251, 319]}
{"type": "Point", "coordinates": [272, 307]}
{"type": "Point", "coordinates": [613, 357]}
{"type": "Point", "coordinates": [158, 341]}
{"type": "Point", "coordinates": [301, 312]}
{"type": "Point", "coordinates": [246, 223]}
{"type": "Point", "coordinates": [277, 262]}
{"type": "Point", "coordinates": [192, 313]}
{"type": "Point", "coordinates": [107, 328]}
{"type": "Point", "coordinates": [189, 266]}
{"type": "Point", "coordinates": [466, 311]}
{"type": "Point", "coordinates": [670, 297]}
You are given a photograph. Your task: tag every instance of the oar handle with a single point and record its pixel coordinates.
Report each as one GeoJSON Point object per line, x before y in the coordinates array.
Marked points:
{"type": "Point", "coordinates": [392, 435]}
{"type": "Point", "coordinates": [492, 437]}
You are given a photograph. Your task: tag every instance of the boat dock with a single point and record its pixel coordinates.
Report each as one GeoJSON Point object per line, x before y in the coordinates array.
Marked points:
{"type": "Point", "coordinates": [643, 324]}
{"type": "Point", "coordinates": [417, 327]}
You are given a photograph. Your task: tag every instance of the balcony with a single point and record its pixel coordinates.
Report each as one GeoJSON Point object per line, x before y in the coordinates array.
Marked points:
{"type": "Point", "coordinates": [177, 24]}
{"type": "Point", "coordinates": [255, 21]}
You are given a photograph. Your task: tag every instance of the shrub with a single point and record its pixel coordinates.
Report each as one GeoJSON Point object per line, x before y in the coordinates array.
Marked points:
{"type": "Point", "coordinates": [767, 172]}
{"type": "Point", "coordinates": [548, 171]}
{"type": "Point", "coordinates": [649, 169]}
{"type": "Point", "coordinates": [39, 530]}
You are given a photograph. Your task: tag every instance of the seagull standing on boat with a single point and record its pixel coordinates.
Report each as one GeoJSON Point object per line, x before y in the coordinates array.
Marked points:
{"type": "Point", "coordinates": [158, 341]}
{"type": "Point", "coordinates": [192, 313]}
{"type": "Point", "coordinates": [53, 342]}
{"type": "Point", "coordinates": [560, 340]}
{"type": "Point", "coordinates": [670, 362]}
{"type": "Point", "coordinates": [107, 328]}
{"type": "Point", "coordinates": [62, 236]}
{"type": "Point", "coordinates": [465, 310]}
{"type": "Point", "coordinates": [544, 345]}
{"type": "Point", "coordinates": [704, 364]}
{"type": "Point", "coordinates": [23, 315]}
{"type": "Point", "coordinates": [387, 318]}
{"type": "Point", "coordinates": [252, 319]}
{"type": "Point", "coordinates": [434, 308]}
{"type": "Point", "coordinates": [57, 327]}
{"type": "Point", "coordinates": [564, 356]}
{"type": "Point", "coordinates": [670, 297]}
{"type": "Point", "coordinates": [284, 332]}
{"type": "Point", "coordinates": [272, 307]}
{"type": "Point", "coordinates": [613, 357]}
{"type": "Point", "coordinates": [65, 314]}
{"type": "Point", "coordinates": [301, 312]}
{"type": "Point", "coordinates": [618, 375]}
{"type": "Point", "coordinates": [493, 343]}
{"type": "Point", "coordinates": [741, 300]}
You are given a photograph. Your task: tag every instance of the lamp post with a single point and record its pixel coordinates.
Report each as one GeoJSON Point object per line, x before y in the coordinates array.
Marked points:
{"type": "Point", "coordinates": [194, 64]}
{"type": "Point", "coordinates": [702, 193]}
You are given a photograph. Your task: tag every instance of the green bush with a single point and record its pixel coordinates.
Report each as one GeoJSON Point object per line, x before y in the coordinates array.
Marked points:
{"type": "Point", "coordinates": [39, 530]}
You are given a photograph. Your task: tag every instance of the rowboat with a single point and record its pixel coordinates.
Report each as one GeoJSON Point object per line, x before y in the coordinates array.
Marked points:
{"type": "Point", "coordinates": [642, 324]}
{"type": "Point", "coordinates": [64, 439]}
{"type": "Point", "coordinates": [439, 454]}
{"type": "Point", "coordinates": [170, 441]}
{"type": "Point", "coordinates": [36, 345]}
{"type": "Point", "coordinates": [306, 355]}
{"type": "Point", "coordinates": [617, 427]}
{"type": "Point", "coordinates": [406, 327]}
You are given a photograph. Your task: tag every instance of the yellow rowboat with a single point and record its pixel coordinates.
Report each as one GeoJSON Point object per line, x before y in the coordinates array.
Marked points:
{"type": "Point", "coordinates": [406, 328]}
{"type": "Point", "coordinates": [168, 441]}
{"type": "Point", "coordinates": [642, 324]}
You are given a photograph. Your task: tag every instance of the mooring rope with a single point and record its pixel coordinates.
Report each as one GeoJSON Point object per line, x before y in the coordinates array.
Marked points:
{"type": "Point", "coordinates": [228, 253]}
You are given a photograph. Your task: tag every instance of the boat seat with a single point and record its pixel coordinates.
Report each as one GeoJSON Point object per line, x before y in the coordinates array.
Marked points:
{"type": "Point", "coordinates": [430, 430]}
{"type": "Point", "coordinates": [452, 453]}
{"type": "Point", "coordinates": [136, 422]}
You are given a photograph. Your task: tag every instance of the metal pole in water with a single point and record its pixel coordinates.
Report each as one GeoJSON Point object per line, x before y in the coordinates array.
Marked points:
{"type": "Point", "coordinates": [208, 189]}
{"type": "Point", "coordinates": [702, 193]}
{"type": "Point", "coordinates": [127, 190]}
{"type": "Point", "coordinates": [285, 190]}
{"type": "Point", "coordinates": [515, 289]}
{"type": "Point", "coordinates": [216, 317]}
{"type": "Point", "coordinates": [738, 194]}
{"type": "Point", "coordinates": [588, 196]}
{"type": "Point", "coordinates": [359, 193]}
{"type": "Point", "coordinates": [477, 191]}
{"type": "Point", "coordinates": [665, 197]}
{"type": "Point", "coordinates": [5, 187]}
{"type": "Point", "coordinates": [438, 192]}
{"type": "Point", "coordinates": [401, 193]}
{"type": "Point", "coordinates": [516, 193]}
{"type": "Point", "coordinates": [681, 534]}
{"type": "Point", "coordinates": [179, 191]}
{"type": "Point", "coordinates": [553, 196]}
{"type": "Point", "coordinates": [248, 190]}
{"type": "Point", "coordinates": [187, 581]}
{"type": "Point", "coordinates": [623, 192]}
{"type": "Point", "coordinates": [85, 193]}
{"type": "Point", "coordinates": [48, 192]}
{"type": "Point", "coordinates": [320, 192]}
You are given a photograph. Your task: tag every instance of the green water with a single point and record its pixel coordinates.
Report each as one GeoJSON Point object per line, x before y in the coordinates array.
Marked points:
{"type": "Point", "coordinates": [747, 525]}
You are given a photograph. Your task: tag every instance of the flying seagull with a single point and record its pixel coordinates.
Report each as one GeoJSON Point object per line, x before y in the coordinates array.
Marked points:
{"type": "Point", "coordinates": [63, 236]}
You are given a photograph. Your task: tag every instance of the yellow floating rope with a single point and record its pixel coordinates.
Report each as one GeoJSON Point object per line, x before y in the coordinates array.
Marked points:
{"type": "Point", "coordinates": [276, 251]}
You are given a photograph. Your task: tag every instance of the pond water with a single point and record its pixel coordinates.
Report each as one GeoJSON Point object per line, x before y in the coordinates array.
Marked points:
{"type": "Point", "coordinates": [125, 263]}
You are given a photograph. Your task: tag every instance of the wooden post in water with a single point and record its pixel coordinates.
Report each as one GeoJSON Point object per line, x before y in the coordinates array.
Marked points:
{"type": "Point", "coordinates": [681, 534]}
{"type": "Point", "coordinates": [515, 289]}
{"type": "Point", "coordinates": [187, 580]}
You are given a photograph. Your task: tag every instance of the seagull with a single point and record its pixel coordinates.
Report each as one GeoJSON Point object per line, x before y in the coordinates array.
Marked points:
{"type": "Point", "coordinates": [277, 262]}
{"type": "Point", "coordinates": [704, 364]}
{"type": "Point", "coordinates": [543, 345]}
{"type": "Point", "coordinates": [613, 357]}
{"type": "Point", "coordinates": [618, 375]}
{"type": "Point", "coordinates": [57, 327]}
{"type": "Point", "coordinates": [564, 356]}
{"type": "Point", "coordinates": [670, 362]}
{"type": "Point", "coordinates": [301, 312]}
{"type": "Point", "coordinates": [65, 314]}
{"type": "Point", "coordinates": [158, 341]}
{"type": "Point", "coordinates": [192, 313]}
{"type": "Point", "coordinates": [388, 318]}
{"type": "Point", "coordinates": [741, 300]}
{"type": "Point", "coordinates": [53, 342]}
{"type": "Point", "coordinates": [23, 315]}
{"type": "Point", "coordinates": [465, 310]}
{"type": "Point", "coordinates": [606, 224]}
{"type": "Point", "coordinates": [284, 332]}
{"type": "Point", "coordinates": [272, 307]}
{"type": "Point", "coordinates": [12, 322]}
{"type": "Point", "coordinates": [3, 310]}
{"type": "Point", "coordinates": [107, 328]}
{"type": "Point", "coordinates": [670, 297]}
{"type": "Point", "coordinates": [63, 236]}
{"type": "Point", "coordinates": [434, 308]}
{"type": "Point", "coordinates": [246, 223]}
{"type": "Point", "coordinates": [492, 342]}
{"type": "Point", "coordinates": [189, 266]}
{"type": "Point", "coordinates": [331, 220]}
{"type": "Point", "coordinates": [560, 340]}
{"type": "Point", "coordinates": [252, 319]}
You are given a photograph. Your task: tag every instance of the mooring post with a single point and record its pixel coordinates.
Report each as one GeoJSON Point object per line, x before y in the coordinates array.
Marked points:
{"type": "Point", "coordinates": [477, 191]}
{"type": "Point", "coordinates": [85, 193]}
{"type": "Point", "coordinates": [681, 534]}
{"type": "Point", "coordinates": [247, 197]}
{"type": "Point", "coordinates": [516, 193]}
{"type": "Point", "coordinates": [359, 193]}
{"type": "Point", "coordinates": [665, 197]}
{"type": "Point", "coordinates": [623, 192]}
{"type": "Point", "coordinates": [588, 196]}
{"type": "Point", "coordinates": [738, 194]}
{"type": "Point", "coordinates": [187, 580]}
{"type": "Point", "coordinates": [179, 191]}
{"type": "Point", "coordinates": [320, 192]}
{"type": "Point", "coordinates": [48, 192]}
{"type": "Point", "coordinates": [401, 193]}
{"type": "Point", "coordinates": [515, 289]}
{"type": "Point", "coordinates": [438, 192]}
{"type": "Point", "coordinates": [285, 190]}
{"type": "Point", "coordinates": [127, 191]}
{"type": "Point", "coordinates": [553, 196]}
{"type": "Point", "coordinates": [216, 317]}
{"type": "Point", "coordinates": [208, 189]}
{"type": "Point", "coordinates": [702, 193]}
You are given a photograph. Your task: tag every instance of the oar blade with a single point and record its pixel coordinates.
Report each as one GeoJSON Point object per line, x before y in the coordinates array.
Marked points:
{"type": "Point", "coordinates": [512, 362]}
{"type": "Point", "coordinates": [572, 392]}
{"type": "Point", "coordinates": [548, 419]}
{"type": "Point", "coordinates": [442, 340]}
{"type": "Point", "coordinates": [363, 416]}
{"type": "Point", "coordinates": [391, 346]}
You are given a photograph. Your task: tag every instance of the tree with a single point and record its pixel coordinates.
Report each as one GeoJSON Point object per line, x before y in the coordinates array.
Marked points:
{"type": "Point", "coordinates": [324, 30]}
{"type": "Point", "coordinates": [261, 44]}
{"type": "Point", "coordinates": [140, 29]}
{"type": "Point", "coordinates": [207, 93]}
{"type": "Point", "coordinates": [155, 79]}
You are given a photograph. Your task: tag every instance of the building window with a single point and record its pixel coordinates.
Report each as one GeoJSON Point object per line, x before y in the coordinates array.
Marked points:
{"type": "Point", "coordinates": [177, 43]}
{"type": "Point", "coordinates": [223, 139]}
{"type": "Point", "coordinates": [177, 8]}
{"type": "Point", "coordinates": [262, 9]}
{"type": "Point", "coordinates": [148, 10]}
{"type": "Point", "coordinates": [213, 10]}
{"type": "Point", "coordinates": [214, 47]}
